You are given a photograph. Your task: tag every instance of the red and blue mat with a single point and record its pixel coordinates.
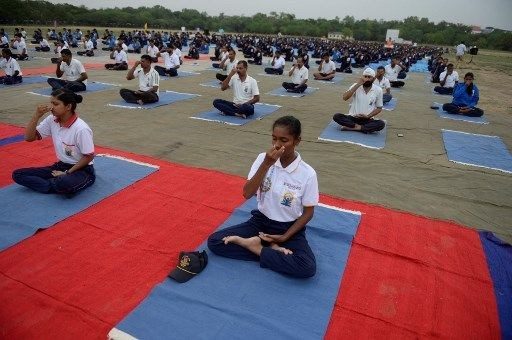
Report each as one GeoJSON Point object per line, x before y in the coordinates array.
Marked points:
{"type": "Point", "coordinates": [404, 276]}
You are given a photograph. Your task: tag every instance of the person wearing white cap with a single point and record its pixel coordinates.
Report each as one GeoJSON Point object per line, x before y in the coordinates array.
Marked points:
{"type": "Point", "coordinates": [366, 103]}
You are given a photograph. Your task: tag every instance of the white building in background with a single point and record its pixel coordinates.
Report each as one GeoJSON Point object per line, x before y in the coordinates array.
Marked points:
{"type": "Point", "coordinates": [337, 36]}
{"type": "Point", "coordinates": [394, 36]}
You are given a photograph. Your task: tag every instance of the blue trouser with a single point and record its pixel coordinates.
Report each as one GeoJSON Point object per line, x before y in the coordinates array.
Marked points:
{"type": "Point", "coordinates": [301, 263]}
{"type": "Point", "coordinates": [291, 87]}
{"type": "Point", "coordinates": [443, 90]}
{"type": "Point", "coordinates": [386, 97]}
{"type": "Point", "coordinates": [396, 83]}
{"type": "Point", "coordinates": [11, 80]}
{"type": "Point", "coordinates": [170, 72]}
{"type": "Point", "coordinates": [455, 109]}
{"type": "Point", "coordinates": [271, 70]}
{"type": "Point", "coordinates": [75, 86]}
{"type": "Point", "coordinates": [368, 125]}
{"type": "Point", "coordinates": [42, 180]}
{"type": "Point", "coordinates": [229, 108]}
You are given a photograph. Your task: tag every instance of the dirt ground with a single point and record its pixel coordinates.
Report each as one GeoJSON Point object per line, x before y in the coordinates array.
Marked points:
{"type": "Point", "coordinates": [411, 173]}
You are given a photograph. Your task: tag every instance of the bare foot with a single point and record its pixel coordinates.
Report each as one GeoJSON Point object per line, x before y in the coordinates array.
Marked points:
{"type": "Point", "coordinates": [283, 250]}
{"type": "Point", "coordinates": [222, 113]}
{"type": "Point", "coordinates": [355, 128]}
{"type": "Point", "coordinates": [252, 244]}
{"type": "Point", "coordinates": [241, 115]}
{"type": "Point", "coordinates": [140, 102]}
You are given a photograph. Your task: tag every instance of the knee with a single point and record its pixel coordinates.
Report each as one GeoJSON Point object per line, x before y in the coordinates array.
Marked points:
{"type": "Point", "coordinates": [214, 243]}
{"type": "Point", "coordinates": [307, 267]}
{"type": "Point", "coordinates": [337, 117]}
{"type": "Point", "coordinates": [17, 175]}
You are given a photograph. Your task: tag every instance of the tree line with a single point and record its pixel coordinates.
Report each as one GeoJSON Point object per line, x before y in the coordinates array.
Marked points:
{"type": "Point", "coordinates": [419, 30]}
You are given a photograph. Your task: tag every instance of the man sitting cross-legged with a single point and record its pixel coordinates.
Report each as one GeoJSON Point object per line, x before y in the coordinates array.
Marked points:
{"type": "Point", "coordinates": [149, 81]}
{"type": "Point", "coordinates": [326, 69]}
{"type": "Point", "coordinates": [299, 74]}
{"type": "Point", "coordinates": [245, 93]}
{"type": "Point", "coordinates": [366, 103]}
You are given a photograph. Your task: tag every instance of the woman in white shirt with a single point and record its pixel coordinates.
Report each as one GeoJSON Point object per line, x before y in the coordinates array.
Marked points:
{"type": "Point", "coordinates": [287, 193]}
{"type": "Point", "coordinates": [73, 144]}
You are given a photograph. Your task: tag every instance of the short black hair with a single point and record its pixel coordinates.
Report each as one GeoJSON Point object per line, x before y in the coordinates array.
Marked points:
{"type": "Point", "coordinates": [242, 62]}
{"type": "Point", "coordinates": [290, 122]}
{"type": "Point", "coordinates": [381, 67]}
{"type": "Point", "coordinates": [146, 56]}
{"type": "Point", "coordinates": [66, 52]}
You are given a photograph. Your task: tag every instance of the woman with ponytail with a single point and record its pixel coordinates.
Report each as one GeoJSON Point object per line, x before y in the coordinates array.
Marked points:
{"type": "Point", "coordinates": [73, 143]}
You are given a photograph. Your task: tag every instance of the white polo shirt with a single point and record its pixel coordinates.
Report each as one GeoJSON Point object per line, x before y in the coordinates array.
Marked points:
{"type": "Point", "coordinates": [383, 84]}
{"type": "Point", "coordinates": [5, 40]}
{"type": "Point", "coordinates": [44, 43]}
{"type": "Point", "coordinates": [279, 63]}
{"type": "Point", "coordinates": [461, 48]}
{"type": "Point", "coordinates": [392, 72]}
{"type": "Point", "coordinates": [177, 51]}
{"type": "Point", "coordinates": [71, 141]}
{"type": "Point", "coordinates": [299, 74]}
{"type": "Point", "coordinates": [243, 91]}
{"type": "Point", "coordinates": [450, 79]}
{"type": "Point", "coordinates": [89, 46]}
{"type": "Point", "coordinates": [170, 60]}
{"type": "Point", "coordinates": [328, 67]}
{"type": "Point", "coordinates": [147, 80]}
{"type": "Point", "coordinates": [20, 46]}
{"type": "Point", "coordinates": [152, 51]}
{"type": "Point", "coordinates": [364, 103]}
{"type": "Point", "coordinates": [10, 66]}
{"type": "Point", "coordinates": [72, 71]}
{"type": "Point", "coordinates": [120, 57]}
{"type": "Point", "coordinates": [285, 192]}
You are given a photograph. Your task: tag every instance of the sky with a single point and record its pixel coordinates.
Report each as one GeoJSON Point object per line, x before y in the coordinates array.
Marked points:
{"type": "Point", "coordinates": [495, 13]}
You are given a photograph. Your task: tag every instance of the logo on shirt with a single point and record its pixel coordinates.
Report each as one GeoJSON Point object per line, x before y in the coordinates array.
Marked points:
{"type": "Point", "coordinates": [68, 151]}
{"type": "Point", "coordinates": [287, 199]}
{"type": "Point", "coordinates": [246, 89]}
{"type": "Point", "coordinates": [265, 186]}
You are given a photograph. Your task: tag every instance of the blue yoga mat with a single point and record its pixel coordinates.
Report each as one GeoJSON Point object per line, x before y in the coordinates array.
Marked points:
{"type": "Point", "coordinates": [333, 133]}
{"type": "Point", "coordinates": [499, 260]}
{"type": "Point", "coordinates": [234, 299]}
{"type": "Point", "coordinates": [444, 114]}
{"type": "Point", "coordinates": [10, 140]}
{"type": "Point", "coordinates": [23, 211]}
{"type": "Point", "coordinates": [91, 87]}
{"type": "Point", "coordinates": [477, 150]}
{"type": "Point", "coordinates": [260, 111]}
{"type": "Point", "coordinates": [334, 81]}
{"type": "Point", "coordinates": [28, 80]}
{"type": "Point", "coordinates": [280, 91]}
{"type": "Point", "coordinates": [391, 105]}
{"type": "Point", "coordinates": [420, 66]}
{"type": "Point", "coordinates": [165, 98]}
{"type": "Point", "coordinates": [212, 83]}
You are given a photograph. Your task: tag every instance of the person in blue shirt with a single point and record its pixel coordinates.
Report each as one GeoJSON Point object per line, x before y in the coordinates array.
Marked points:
{"type": "Point", "coordinates": [465, 98]}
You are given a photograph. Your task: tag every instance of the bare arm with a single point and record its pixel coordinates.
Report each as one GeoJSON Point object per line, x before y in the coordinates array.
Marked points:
{"type": "Point", "coordinates": [30, 131]}
{"type": "Point", "coordinates": [130, 75]}
{"type": "Point", "coordinates": [350, 92]}
{"type": "Point", "coordinates": [83, 76]}
{"type": "Point", "coordinates": [254, 100]}
{"type": "Point", "coordinates": [291, 71]}
{"type": "Point", "coordinates": [225, 84]}
{"type": "Point", "coordinates": [375, 112]}
{"type": "Point", "coordinates": [252, 185]}
{"type": "Point", "coordinates": [58, 72]}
